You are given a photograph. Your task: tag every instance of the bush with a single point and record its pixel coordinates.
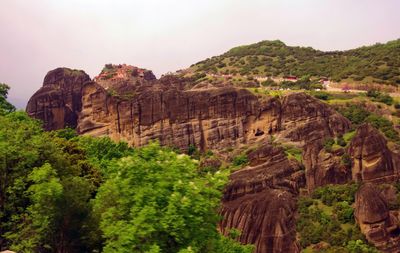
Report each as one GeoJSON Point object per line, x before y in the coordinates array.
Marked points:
{"type": "Point", "coordinates": [328, 143]}
{"type": "Point", "coordinates": [355, 113]}
{"type": "Point", "coordinates": [318, 222]}
{"type": "Point", "coordinates": [385, 125]}
{"type": "Point", "coordinates": [193, 151]}
{"type": "Point", "coordinates": [380, 97]}
{"type": "Point", "coordinates": [269, 82]}
{"type": "Point", "coordinates": [335, 193]}
{"type": "Point", "coordinates": [322, 95]}
{"type": "Point", "coordinates": [240, 160]}
{"type": "Point", "coordinates": [343, 211]}
{"type": "Point", "coordinates": [340, 141]}
{"type": "Point", "coordinates": [346, 160]}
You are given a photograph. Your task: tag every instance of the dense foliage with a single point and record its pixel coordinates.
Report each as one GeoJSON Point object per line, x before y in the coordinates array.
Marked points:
{"type": "Point", "coordinates": [327, 217]}
{"type": "Point", "coordinates": [358, 115]}
{"type": "Point", "coordinates": [46, 183]}
{"type": "Point", "coordinates": [379, 63]}
{"type": "Point", "coordinates": [155, 201]}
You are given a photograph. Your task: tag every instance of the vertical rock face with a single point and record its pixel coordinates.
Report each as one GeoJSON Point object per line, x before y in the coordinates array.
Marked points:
{"type": "Point", "coordinates": [372, 159]}
{"type": "Point", "coordinates": [260, 201]}
{"type": "Point", "coordinates": [328, 168]}
{"type": "Point", "coordinates": [206, 118]}
{"type": "Point", "coordinates": [380, 226]}
{"type": "Point", "coordinates": [306, 119]}
{"type": "Point", "coordinates": [59, 101]}
{"type": "Point", "coordinates": [309, 121]}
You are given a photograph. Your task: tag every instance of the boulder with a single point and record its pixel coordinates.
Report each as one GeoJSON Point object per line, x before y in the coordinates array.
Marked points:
{"type": "Point", "coordinates": [380, 226]}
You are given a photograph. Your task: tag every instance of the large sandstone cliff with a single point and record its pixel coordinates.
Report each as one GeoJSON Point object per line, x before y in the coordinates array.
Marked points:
{"type": "Point", "coordinates": [128, 103]}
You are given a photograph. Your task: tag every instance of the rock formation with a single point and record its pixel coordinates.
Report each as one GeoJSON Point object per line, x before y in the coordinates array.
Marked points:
{"type": "Point", "coordinates": [372, 159]}
{"type": "Point", "coordinates": [128, 103]}
{"type": "Point", "coordinates": [377, 222]}
{"type": "Point", "coordinates": [260, 201]}
{"type": "Point", "coordinates": [59, 101]}
{"type": "Point", "coordinates": [328, 168]}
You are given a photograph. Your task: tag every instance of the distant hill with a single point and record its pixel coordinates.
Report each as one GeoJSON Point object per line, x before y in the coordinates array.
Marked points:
{"type": "Point", "coordinates": [378, 63]}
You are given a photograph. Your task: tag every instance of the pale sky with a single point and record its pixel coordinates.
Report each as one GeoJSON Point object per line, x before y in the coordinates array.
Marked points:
{"type": "Point", "coordinates": [166, 35]}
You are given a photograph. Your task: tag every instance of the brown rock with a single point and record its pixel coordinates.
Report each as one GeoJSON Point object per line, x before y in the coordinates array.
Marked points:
{"type": "Point", "coordinates": [128, 103]}
{"type": "Point", "coordinates": [379, 225]}
{"type": "Point", "coordinates": [59, 101]}
{"type": "Point", "coordinates": [328, 169]}
{"type": "Point", "coordinates": [205, 118]}
{"type": "Point", "coordinates": [306, 119]}
{"type": "Point", "coordinates": [260, 201]}
{"type": "Point", "coordinates": [372, 159]}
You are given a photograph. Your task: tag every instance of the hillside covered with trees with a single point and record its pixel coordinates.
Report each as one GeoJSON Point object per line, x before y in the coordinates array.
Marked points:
{"type": "Point", "coordinates": [379, 63]}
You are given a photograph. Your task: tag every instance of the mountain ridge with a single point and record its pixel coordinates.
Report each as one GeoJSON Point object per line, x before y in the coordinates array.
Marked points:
{"type": "Point", "coordinates": [375, 63]}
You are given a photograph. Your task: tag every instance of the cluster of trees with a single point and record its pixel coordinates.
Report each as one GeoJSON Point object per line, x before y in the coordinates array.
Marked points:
{"type": "Point", "coordinates": [60, 192]}
{"type": "Point", "coordinates": [358, 115]}
{"type": "Point", "coordinates": [379, 62]}
{"type": "Point", "coordinates": [328, 217]}
{"type": "Point", "coordinates": [380, 97]}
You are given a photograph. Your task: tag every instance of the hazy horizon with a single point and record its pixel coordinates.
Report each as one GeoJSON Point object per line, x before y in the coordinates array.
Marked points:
{"type": "Point", "coordinates": [169, 35]}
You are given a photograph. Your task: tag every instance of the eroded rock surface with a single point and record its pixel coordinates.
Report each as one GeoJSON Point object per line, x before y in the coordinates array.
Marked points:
{"type": "Point", "coordinates": [204, 118]}
{"type": "Point", "coordinates": [306, 119]}
{"type": "Point", "coordinates": [371, 158]}
{"type": "Point", "coordinates": [327, 168]}
{"type": "Point", "coordinates": [260, 201]}
{"type": "Point", "coordinates": [59, 101]}
{"type": "Point", "coordinates": [207, 118]}
{"type": "Point", "coordinates": [377, 222]}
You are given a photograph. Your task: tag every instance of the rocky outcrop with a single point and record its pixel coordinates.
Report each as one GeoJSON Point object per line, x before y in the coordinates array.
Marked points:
{"type": "Point", "coordinates": [308, 120]}
{"type": "Point", "coordinates": [207, 118]}
{"type": "Point", "coordinates": [371, 158]}
{"type": "Point", "coordinates": [59, 101]}
{"type": "Point", "coordinates": [377, 222]}
{"type": "Point", "coordinates": [123, 78]}
{"type": "Point", "coordinates": [204, 118]}
{"type": "Point", "coordinates": [328, 168]}
{"type": "Point", "coordinates": [127, 103]}
{"type": "Point", "coordinates": [260, 201]}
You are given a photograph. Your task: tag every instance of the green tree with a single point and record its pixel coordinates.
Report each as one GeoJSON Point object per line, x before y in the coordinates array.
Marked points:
{"type": "Point", "coordinates": [155, 201]}
{"type": "Point", "coordinates": [34, 163]}
{"type": "Point", "coordinates": [40, 219]}
{"type": "Point", "coordinates": [5, 106]}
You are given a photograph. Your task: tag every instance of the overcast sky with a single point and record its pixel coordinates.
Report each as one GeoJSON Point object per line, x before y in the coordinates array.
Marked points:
{"type": "Point", "coordinates": [166, 35]}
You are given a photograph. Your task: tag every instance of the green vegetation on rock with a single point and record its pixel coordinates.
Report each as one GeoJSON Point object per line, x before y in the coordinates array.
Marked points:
{"type": "Point", "coordinates": [327, 218]}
